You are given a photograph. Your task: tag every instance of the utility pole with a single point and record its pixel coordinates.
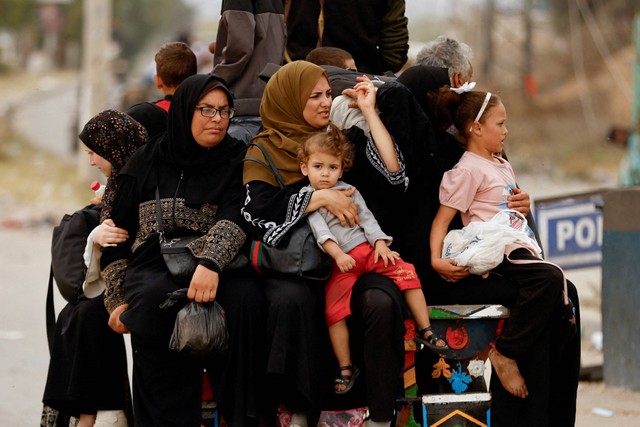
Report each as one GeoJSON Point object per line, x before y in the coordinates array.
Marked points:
{"type": "Point", "coordinates": [635, 113]}
{"type": "Point", "coordinates": [96, 66]}
{"type": "Point", "coordinates": [529, 85]}
{"type": "Point", "coordinates": [488, 40]}
{"type": "Point", "coordinates": [630, 166]}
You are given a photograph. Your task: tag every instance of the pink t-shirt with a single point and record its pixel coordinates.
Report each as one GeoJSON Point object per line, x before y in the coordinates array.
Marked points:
{"type": "Point", "coordinates": [477, 187]}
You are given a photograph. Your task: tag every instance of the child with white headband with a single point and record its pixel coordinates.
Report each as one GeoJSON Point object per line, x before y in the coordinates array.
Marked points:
{"type": "Point", "coordinates": [478, 187]}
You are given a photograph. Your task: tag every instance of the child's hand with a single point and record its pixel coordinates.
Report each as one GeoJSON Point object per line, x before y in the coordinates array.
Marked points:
{"type": "Point", "coordinates": [449, 270]}
{"type": "Point", "coordinates": [345, 262]}
{"type": "Point", "coordinates": [383, 252]}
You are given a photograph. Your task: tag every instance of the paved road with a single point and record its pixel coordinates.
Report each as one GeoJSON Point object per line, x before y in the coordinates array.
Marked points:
{"type": "Point", "coordinates": [24, 355]}
{"type": "Point", "coordinates": [49, 119]}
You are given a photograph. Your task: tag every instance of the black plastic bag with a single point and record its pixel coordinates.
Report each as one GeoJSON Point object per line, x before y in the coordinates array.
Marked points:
{"type": "Point", "coordinates": [200, 328]}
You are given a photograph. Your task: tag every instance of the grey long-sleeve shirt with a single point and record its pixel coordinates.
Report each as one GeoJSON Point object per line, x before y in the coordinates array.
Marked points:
{"type": "Point", "coordinates": [326, 226]}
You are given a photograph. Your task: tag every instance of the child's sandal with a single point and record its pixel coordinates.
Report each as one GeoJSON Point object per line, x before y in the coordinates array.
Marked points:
{"type": "Point", "coordinates": [432, 340]}
{"type": "Point", "coordinates": [346, 380]}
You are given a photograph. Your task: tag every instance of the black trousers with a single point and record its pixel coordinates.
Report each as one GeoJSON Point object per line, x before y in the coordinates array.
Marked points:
{"type": "Point", "coordinates": [551, 367]}
{"type": "Point", "coordinates": [540, 288]}
{"type": "Point", "coordinates": [167, 386]}
{"type": "Point", "coordinates": [377, 330]}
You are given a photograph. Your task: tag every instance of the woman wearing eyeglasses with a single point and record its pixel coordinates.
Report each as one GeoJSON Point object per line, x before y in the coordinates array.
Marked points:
{"type": "Point", "coordinates": [197, 169]}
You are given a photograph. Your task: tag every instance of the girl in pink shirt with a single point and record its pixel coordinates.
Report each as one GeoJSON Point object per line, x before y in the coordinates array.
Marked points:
{"type": "Point", "coordinates": [478, 187]}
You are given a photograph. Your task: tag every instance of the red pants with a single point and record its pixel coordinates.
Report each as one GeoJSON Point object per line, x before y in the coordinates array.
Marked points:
{"type": "Point", "coordinates": [338, 289]}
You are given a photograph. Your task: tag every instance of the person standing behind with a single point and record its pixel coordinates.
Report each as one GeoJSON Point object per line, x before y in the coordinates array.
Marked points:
{"type": "Point", "coordinates": [250, 35]}
{"type": "Point", "coordinates": [445, 52]}
{"type": "Point", "coordinates": [333, 56]}
{"type": "Point", "coordinates": [375, 32]}
{"type": "Point", "coordinates": [175, 61]}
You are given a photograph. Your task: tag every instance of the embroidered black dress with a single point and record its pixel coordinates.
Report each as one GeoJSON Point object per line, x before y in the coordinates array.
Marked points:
{"type": "Point", "coordinates": [201, 193]}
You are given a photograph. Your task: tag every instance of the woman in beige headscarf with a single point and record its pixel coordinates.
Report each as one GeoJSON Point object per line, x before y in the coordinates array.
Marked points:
{"type": "Point", "coordinates": [295, 105]}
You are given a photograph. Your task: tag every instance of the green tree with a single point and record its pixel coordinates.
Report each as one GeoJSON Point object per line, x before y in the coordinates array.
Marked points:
{"type": "Point", "coordinates": [134, 22]}
{"type": "Point", "coordinates": [16, 14]}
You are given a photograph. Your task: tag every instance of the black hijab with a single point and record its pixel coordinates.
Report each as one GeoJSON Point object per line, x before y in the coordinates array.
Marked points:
{"type": "Point", "coordinates": [176, 152]}
{"type": "Point", "coordinates": [421, 79]}
{"type": "Point", "coordinates": [114, 136]}
{"type": "Point", "coordinates": [149, 115]}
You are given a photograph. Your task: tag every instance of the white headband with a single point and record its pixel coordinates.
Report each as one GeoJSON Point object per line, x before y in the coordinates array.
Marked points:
{"type": "Point", "coordinates": [484, 106]}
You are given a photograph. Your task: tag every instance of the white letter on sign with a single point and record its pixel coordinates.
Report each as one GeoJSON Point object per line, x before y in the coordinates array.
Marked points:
{"type": "Point", "coordinates": [565, 231]}
{"type": "Point", "coordinates": [585, 232]}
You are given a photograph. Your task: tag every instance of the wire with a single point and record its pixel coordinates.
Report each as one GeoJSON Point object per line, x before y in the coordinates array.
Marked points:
{"type": "Point", "coordinates": [603, 50]}
{"type": "Point", "coordinates": [578, 68]}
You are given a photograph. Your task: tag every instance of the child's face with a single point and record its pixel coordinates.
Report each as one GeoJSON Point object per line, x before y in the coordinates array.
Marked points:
{"type": "Point", "coordinates": [494, 130]}
{"type": "Point", "coordinates": [322, 169]}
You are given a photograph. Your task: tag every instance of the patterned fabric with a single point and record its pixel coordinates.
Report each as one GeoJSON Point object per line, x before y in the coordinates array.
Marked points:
{"type": "Point", "coordinates": [53, 418]}
{"type": "Point", "coordinates": [220, 245]}
{"type": "Point", "coordinates": [187, 219]}
{"type": "Point", "coordinates": [395, 178]}
{"type": "Point", "coordinates": [198, 187]}
{"type": "Point", "coordinates": [114, 275]}
{"type": "Point", "coordinates": [114, 136]}
{"type": "Point", "coordinates": [295, 211]}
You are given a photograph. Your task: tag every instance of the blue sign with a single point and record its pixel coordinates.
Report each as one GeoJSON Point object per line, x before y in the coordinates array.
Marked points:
{"type": "Point", "coordinates": [570, 230]}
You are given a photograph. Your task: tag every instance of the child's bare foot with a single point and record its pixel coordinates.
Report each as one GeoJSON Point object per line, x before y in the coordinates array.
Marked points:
{"type": "Point", "coordinates": [509, 374]}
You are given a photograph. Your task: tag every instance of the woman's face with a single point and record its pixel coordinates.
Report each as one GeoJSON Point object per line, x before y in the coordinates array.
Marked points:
{"type": "Point", "coordinates": [210, 131]}
{"type": "Point", "coordinates": [98, 161]}
{"type": "Point", "coordinates": [316, 110]}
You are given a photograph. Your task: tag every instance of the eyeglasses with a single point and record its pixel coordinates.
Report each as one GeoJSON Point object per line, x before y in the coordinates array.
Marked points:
{"type": "Point", "coordinates": [211, 112]}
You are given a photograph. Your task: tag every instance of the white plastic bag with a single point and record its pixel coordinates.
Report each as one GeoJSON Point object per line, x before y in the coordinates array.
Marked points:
{"type": "Point", "coordinates": [480, 246]}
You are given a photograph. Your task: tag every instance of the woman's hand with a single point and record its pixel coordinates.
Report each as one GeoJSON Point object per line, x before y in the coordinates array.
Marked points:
{"type": "Point", "coordinates": [520, 201]}
{"type": "Point", "coordinates": [338, 203]}
{"type": "Point", "coordinates": [449, 270]}
{"type": "Point", "coordinates": [204, 285]}
{"type": "Point", "coordinates": [364, 98]}
{"type": "Point", "coordinates": [363, 94]}
{"type": "Point", "coordinates": [383, 252]}
{"type": "Point", "coordinates": [114, 319]}
{"type": "Point", "coordinates": [107, 234]}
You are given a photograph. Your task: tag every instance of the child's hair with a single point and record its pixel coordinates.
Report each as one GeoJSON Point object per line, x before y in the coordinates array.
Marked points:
{"type": "Point", "coordinates": [327, 55]}
{"type": "Point", "coordinates": [175, 61]}
{"type": "Point", "coordinates": [460, 109]}
{"type": "Point", "coordinates": [331, 142]}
